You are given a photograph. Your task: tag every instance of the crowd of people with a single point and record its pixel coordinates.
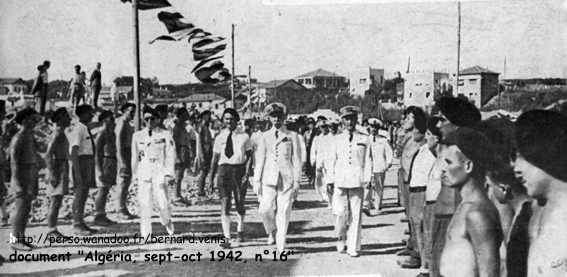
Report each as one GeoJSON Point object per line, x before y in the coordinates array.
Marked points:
{"type": "Point", "coordinates": [481, 197]}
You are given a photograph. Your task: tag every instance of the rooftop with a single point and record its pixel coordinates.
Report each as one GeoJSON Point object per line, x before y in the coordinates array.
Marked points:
{"type": "Point", "coordinates": [204, 97]}
{"type": "Point", "coordinates": [476, 70]}
{"type": "Point", "coordinates": [12, 81]}
{"type": "Point", "coordinates": [319, 73]}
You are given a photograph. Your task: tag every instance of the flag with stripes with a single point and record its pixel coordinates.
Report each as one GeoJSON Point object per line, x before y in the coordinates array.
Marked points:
{"type": "Point", "coordinates": [150, 4]}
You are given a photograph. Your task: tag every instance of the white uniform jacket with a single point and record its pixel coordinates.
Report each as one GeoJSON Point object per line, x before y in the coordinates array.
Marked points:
{"type": "Point", "coordinates": [350, 167]}
{"type": "Point", "coordinates": [381, 154]}
{"type": "Point", "coordinates": [278, 157]}
{"type": "Point", "coordinates": [152, 156]}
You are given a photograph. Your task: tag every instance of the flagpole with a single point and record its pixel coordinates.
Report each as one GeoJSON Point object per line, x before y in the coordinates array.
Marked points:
{"type": "Point", "coordinates": [458, 46]}
{"type": "Point", "coordinates": [233, 73]}
{"type": "Point", "coordinates": [136, 80]}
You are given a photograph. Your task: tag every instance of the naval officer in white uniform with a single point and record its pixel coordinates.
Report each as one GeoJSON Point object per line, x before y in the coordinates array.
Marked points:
{"type": "Point", "coordinates": [350, 173]}
{"type": "Point", "coordinates": [276, 174]}
{"type": "Point", "coordinates": [153, 165]}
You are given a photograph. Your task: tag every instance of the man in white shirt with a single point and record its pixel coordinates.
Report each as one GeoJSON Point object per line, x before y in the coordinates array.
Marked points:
{"type": "Point", "coordinates": [276, 174]}
{"type": "Point", "coordinates": [82, 146]}
{"type": "Point", "coordinates": [232, 151]}
{"type": "Point", "coordinates": [318, 147]}
{"type": "Point", "coordinates": [350, 174]}
{"type": "Point", "coordinates": [153, 165]}
{"type": "Point", "coordinates": [380, 158]}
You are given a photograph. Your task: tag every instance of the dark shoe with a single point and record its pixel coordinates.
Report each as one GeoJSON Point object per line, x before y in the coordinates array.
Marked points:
{"type": "Point", "coordinates": [353, 254]}
{"type": "Point", "coordinates": [55, 234]}
{"type": "Point", "coordinates": [404, 220]}
{"type": "Point", "coordinates": [411, 262]}
{"type": "Point", "coordinates": [226, 244]}
{"type": "Point", "coordinates": [126, 215]}
{"type": "Point", "coordinates": [103, 221]}
{"type": "Point", "coordinates": [180, 202]}
{"type": "Point", "coordinates": [404, 252]}
{"type": "Point", "coordinates": [366, 211]}
{"type": "Point", "coordinates": [21, 246]}
{"type": "Point", "coordinates": [423, 274]}
{"type": "Point", "coordinates": [82, 230]}
{"type": "Point", "coordinates": [240, 237]}
{"type": "Point", "coordinates": [406, 232]}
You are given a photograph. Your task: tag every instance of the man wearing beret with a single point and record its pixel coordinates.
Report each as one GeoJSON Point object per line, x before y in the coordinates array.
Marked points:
{"type": "Point", "coordinates": [474, 235]}
{"type": "Point", "coordinates": [541, 162]}
{"type": "Point", "coordinates": [381, 157]}
{"type": "Point", "coordinates": [232, 153]}
{"type": "Point", "coordinates": [351, 172]}
{"type": "Point", "coordinates": [105, 166]}
{"type": "Point", "coordinates": [123, 132]}
{"type": "Point", "coordinates": [25, 162]}
{"type": "Point", "coordinates": [455, 113]}
{"type": "Point", "coordinates": [82, 149]}
{"type": "Point", "coordinates": [276, 174]}
{"type": "Point", "coordinates": [153, 165]}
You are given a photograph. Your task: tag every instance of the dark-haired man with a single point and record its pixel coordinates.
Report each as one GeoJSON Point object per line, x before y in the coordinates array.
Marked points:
{"type": "Point", "coordinates": [455, 113]}
{"type": "Point", "coordinates": [96, 84]}
{"type": "Point", "coordinates": [82, 149]}
{"type": "Point", "coordinates": [105, 166]}
{"type": "Point", "coordinates": [124, 131]}
{"type": "Point", "coordinates": [541, 163]}
{"type": "Point", "coordinates": [474, 235]}
{"type": "Point", "coordinates": [182, 141]}
{"type": "Point", "coordinates": [57, 160]}
{"type": "Point", "coordinates": [205, 151]}
{"type": "Point", "coordinates": [232, 153]}
{"type": "Point", "coordinates": [25, 162]}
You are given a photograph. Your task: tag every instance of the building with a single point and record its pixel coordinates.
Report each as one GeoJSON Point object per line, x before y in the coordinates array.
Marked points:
{"type": "Point", "coordinates": [271, 88]}
{"type": "Point", "coordinates": [14, 91]}
{"type": "Point", "coordinates": [206, 101]}
{"type": "Point", "coordinates": [322, 79]}
{"type": "Point", "coordinates": [360, 80]}
{"type": "Point", "coordinates": [478, 84]}
{"type": "Point", "coordinates": [422, 88]}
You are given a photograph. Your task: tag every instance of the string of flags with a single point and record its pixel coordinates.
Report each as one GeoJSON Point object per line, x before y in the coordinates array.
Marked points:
{"type": "Point", "coordinates": [206, 48]}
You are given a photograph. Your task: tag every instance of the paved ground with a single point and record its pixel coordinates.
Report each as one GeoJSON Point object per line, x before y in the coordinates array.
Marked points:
{"type": "Point", "coordinates": [310, 237]}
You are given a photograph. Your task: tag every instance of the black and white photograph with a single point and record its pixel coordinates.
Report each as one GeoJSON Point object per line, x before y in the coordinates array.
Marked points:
{"type": "Point", "coordinates": [389, 138]}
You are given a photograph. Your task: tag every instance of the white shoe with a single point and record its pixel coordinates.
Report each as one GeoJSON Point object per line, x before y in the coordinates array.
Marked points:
{"type": "Point", "coordinates": [169, 227]}
{"type": "Point", "coordinates": [271, 239]}
{"type": "Point", "coordinates": [341, 247]}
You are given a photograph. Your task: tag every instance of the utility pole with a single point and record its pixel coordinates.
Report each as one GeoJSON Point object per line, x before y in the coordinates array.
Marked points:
{"type": "Point", "coordinates": [250, 88]}
{"type": "Point", "coordinates": [458, 46]}
{"type": "Point", "coordinates": [136, 79]}
{"type": "Point", "coordinates": [233, 72]}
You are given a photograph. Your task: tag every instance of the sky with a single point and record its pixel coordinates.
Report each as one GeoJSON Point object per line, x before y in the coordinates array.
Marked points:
{"type": "Point", "coordinates": [284, 38]}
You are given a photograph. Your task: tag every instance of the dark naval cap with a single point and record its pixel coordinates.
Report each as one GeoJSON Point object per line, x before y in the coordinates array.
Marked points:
{"type": "Point", "coordinates": [349, 110]}
{"type": "Point", "coordinates": [459, 111]}
{"type": "Point", "coordinates": [275, 108]}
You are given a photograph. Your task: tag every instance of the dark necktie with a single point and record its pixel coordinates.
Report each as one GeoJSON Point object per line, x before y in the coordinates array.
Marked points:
{"type": "Point", "coordinates": [374, 139]}
{"type": "Point", "coordinates": [92, 140]}
{"type": "Point", "coordinates": [228, 150]}
{"type": "Point", "coordinates": [276, 134]}
{"type": "Point", "coordinates": [350, 138]}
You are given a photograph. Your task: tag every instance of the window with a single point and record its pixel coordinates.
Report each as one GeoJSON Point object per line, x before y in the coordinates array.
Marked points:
{"type": "Point", "coordinates": [410, 95]}
{"type": "Point", "coordinates": [200, 105]}
{"type": "Point", "coordinates": [363, 81]}
{"type": "Point", "coordinates": [300, 81]}
{"type": "Point", "coordinates": [308, 81]}
{"type": "Point", "coordinates": [471, 95]}
{"type": "Point", "coordinates": [216, 106]}
{"type": "Point", "coordinates": [427, 94]}
{"type": "Point", "coordinates": [472, 81]}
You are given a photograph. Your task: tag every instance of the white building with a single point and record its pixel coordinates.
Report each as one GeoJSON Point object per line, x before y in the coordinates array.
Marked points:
{"type": "Point", "coordinates": [321, 78]}
{"type": "Point", "coordinates": [206, 101]}
{"type": "Point", "coordinates": [478, 84]}
{"type": "Point", "coordinates": [14, 91]}
{"type": "Point", "coordinates": [360, 80]}
{"type": "Point", "coordinates": [421, 88]}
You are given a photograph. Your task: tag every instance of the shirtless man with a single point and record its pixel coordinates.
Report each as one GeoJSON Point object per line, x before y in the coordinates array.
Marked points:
{"type": "Point", "coordinates": [474, 234]}
{"type": "Point", "coordinates": [541, 162]}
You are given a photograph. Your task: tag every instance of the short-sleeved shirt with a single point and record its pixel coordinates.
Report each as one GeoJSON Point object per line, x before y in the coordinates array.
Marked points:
{"type": "Point", "coordinates": [240, 142]}
{"type": "Point", "coordinates": [80, 136]}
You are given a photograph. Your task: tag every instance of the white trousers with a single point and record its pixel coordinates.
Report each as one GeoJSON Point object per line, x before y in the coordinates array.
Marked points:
{"type": "Point", "coordinates": [147, 192]}
{"type": "Point", "coordinates": [347, 206]}
{"type": "Point", "coordinates": [275, 209]}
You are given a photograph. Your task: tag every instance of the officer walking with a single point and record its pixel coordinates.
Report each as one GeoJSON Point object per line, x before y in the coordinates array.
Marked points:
{"type": "Point", "coordinates": [276, 174]}
{"type": "Point", "coordinates": [351, 173]}
{"type": "Point", "coordinates": [153, 163]}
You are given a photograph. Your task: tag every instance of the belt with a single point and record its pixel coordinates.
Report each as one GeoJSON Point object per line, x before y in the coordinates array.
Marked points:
{"type": "Point", "coordinates": [87, 156]}
{"type": "Point", "coordinates": [443, 215]}
{"type": "Point", "coordinates": [417, 189]}
{"type": "Point", "coordinates": [429, 202]}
